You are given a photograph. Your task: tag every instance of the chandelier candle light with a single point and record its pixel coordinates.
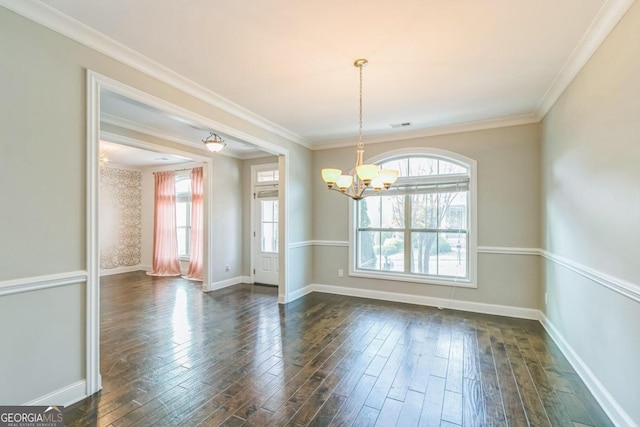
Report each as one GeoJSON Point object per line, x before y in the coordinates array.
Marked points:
{"type": "Point", "coordinates": [214, 142]}
{"type": "Point", "coordinates": [365, 176]}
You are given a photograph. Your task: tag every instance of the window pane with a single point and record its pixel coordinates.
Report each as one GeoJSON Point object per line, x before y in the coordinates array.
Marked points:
{"type": "Point", "coordinates": [183, 184]}
{"type": "Point", "coordinates": [369, 214]}
{"type": "Point", "coordinates": [423, 166]}
{"type": "Point", "coordinates": [368, 248]}
{"type": "Point", "coordinates": [392, 211]}
{"type": "Point", "coordinates": [275, 211]}
{"type": "Point", "coordinates": [392, 251]}
{"type": "Point", "coordinates": [182, 241]}
{"type": "Point", "coordinates": [276, 175]}
{"type": "Point", "coordinates": [455, 217]}
{"type": "Point", "coordinates": [424, 211]}
{"type": "Point", "coordinates": [447, 168]}
{"type": "Point", "coordinates": [401, 165]}
{"type": "Point", "coordinates": [181, 214]}
{"type": "Point", "coordinates": [452, 254]}
{"type": "Point", "coordinates": [445, 201]}
{"type": "Point", "coordinates": [424, 249]}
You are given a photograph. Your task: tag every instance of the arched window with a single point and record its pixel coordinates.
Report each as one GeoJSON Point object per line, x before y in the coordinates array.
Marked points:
{"type": "Point", "coordinates": [183, 213]}
{"type": "Point", "coordinates": [422, 229]}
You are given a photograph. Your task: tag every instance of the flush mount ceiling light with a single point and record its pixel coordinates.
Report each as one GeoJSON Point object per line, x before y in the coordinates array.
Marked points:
{"type": "Point", "coordinates": [365, 177]}
{"type": "Point", "coordinates": [214, 142]}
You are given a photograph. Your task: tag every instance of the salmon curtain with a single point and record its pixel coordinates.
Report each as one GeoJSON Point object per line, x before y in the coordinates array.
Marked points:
{"type": "Point", "coordinates": [196, 258]}
{"type": "Point", "coordinates": [165, 239]}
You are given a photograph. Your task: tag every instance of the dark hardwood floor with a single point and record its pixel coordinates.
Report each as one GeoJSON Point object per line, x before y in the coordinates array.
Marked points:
{"type": "Point", "coordinates": [171, 355]}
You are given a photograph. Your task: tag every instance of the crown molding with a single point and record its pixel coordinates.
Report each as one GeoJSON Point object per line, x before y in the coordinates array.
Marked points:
{"type": "Point", "coordinates": [608, 17]}
{"type": "Point", "coordinates": [45, 15]}
{"type": "Point", "coordinates": [523, 119]}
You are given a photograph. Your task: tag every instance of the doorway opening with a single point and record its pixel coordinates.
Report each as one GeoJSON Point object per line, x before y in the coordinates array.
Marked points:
{"type": "Point", "coordinates": [265, 223]}
{"type": "Point", "coordinates": [98, 125]}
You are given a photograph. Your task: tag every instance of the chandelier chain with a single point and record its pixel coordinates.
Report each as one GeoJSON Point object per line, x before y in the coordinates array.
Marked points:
{"type": "Point", "coordinates": [360, 144]}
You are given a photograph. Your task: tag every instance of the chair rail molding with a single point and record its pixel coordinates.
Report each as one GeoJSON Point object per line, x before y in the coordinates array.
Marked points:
{"type": "Point", "coordinates": [35, 283]}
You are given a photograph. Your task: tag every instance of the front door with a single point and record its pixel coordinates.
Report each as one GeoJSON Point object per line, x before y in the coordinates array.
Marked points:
{"type": "Point", "coordinates": [266, 242]}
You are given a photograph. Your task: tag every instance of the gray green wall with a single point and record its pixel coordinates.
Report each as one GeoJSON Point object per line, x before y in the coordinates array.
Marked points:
{"type": "Point", "coordinates": [591, 211]}
{"type": "Point", "coordinates": [568, 185]}
{"type": "Point", "coordinates": [43, 156]}
{"type": "Point", "coordinates": [508, 215]}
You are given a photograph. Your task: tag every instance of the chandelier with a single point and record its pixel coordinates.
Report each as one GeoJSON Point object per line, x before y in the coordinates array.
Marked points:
{"type": "Point", "coordinates": [365, 177]}
{"type": "Point", "coordinates": [214, 142]}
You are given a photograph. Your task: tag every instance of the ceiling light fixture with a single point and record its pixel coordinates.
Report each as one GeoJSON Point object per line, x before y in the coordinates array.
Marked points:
{"type": "Point", "coordinates": [214, 142]}
{"type": "Point", "coordinates": [364, 176]}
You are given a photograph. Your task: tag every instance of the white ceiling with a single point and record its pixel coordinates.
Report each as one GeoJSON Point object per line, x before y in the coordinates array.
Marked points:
{"type": "Point", "coordinates": [433, 63]}
{"type": "Point", "coordinates": [118, 154]}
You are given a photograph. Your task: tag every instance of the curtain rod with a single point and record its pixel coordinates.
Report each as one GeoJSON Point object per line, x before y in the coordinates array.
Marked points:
{"type": "Point", "coordinates": [178, 170]}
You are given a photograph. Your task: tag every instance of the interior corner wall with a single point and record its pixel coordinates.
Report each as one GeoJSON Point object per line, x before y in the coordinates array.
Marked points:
{"type": "Point", "coordinates": [591, 214]}
{"type": "Point", "coordinates": [44, 75]}
{"type": "Point", "coordinates": [508, 216]}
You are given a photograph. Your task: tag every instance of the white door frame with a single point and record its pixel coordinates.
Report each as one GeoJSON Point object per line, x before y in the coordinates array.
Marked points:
{"type": "Point", "coordinates": [96, 82]}
{"type": "Point", "coordinates": [254, 215]}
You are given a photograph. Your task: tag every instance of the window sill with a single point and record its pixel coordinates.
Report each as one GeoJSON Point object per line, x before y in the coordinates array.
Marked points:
{"type": "Point", "coordinates": [182, 258]}
{"type": "Point", "coordinates": [400, 277]}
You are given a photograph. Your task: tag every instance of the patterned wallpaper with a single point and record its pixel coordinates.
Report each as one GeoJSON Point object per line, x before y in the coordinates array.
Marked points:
{"type": "Point", "coordinates": [120, 217]}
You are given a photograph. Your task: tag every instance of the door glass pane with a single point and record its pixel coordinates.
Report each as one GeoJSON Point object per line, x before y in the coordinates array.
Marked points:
{"type": "Point", "coordinates": [269, 225]}
{"type": "Point", "coordinates": [266, 176]}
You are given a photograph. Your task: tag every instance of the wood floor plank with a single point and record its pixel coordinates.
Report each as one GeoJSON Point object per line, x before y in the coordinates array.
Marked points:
{"type": "Point", "coordinates": [172, 355]}
{"type": "Point", "coordinates": [411, 409]}
{"type": "Point", "coordinates": [433, 400]}
{"type": "Point", "coordinates": [513, 407]}
{"type": "Point", "coordinates": [355, 402]}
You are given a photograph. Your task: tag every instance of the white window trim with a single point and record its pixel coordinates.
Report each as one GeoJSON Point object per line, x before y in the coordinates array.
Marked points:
{"type": "Point", "coordinates": [472, 235]}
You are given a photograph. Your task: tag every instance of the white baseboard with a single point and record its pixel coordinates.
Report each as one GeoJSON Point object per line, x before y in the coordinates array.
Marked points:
{"type": "Point", "coordinates": [129, 269]}
{"type": "Point", "coordinates": [65, 396]}
{"type": "Point", "coordinates": [299, 293]}
{"type": "Point", "coordinates": [615, 412]}
{"type": "Point", "coordinates": [475, 307]}
{"type": "Point", "coordinates": [229, 282]}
